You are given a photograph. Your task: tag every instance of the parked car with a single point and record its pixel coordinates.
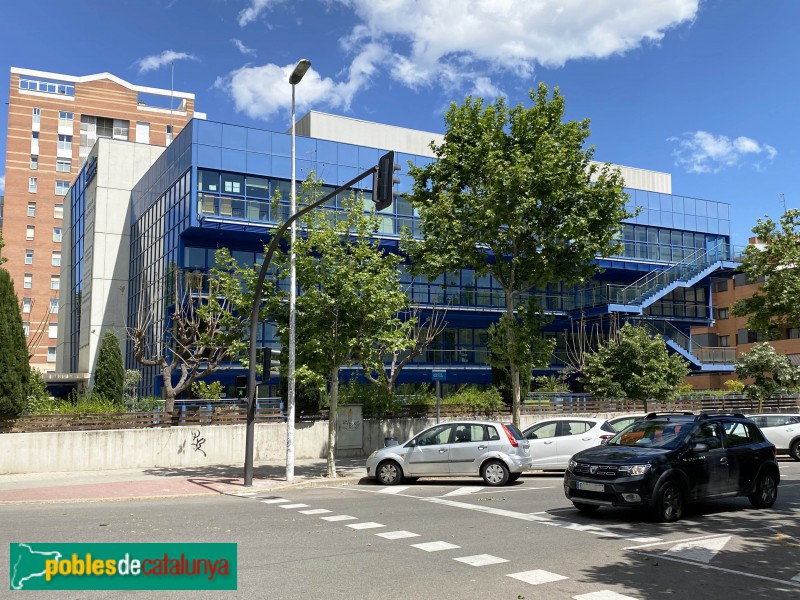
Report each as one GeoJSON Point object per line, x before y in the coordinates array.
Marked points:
{"type": "Point", "coordinates": [783, 430]}
{"type": "Point", "coordinates": [495, 451]}
{"type": "Point", "coordinates": [554, 441]}
{"type": "Point", "coordinates": [620, 423]}
{"type": "Point", "coordinates": [667, 460]}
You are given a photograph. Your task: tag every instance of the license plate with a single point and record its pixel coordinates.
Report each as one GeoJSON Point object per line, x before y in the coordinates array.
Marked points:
{"type": "Point", "coordinates": [590, 487]}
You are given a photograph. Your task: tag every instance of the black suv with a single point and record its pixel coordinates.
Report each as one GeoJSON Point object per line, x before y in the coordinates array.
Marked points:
{"type": "Point", "coordinates": [667, 460]}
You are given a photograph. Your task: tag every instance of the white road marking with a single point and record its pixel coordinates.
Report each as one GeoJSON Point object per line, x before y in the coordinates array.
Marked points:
{"type": "Point", "coordinates": [481, 560]}
{"type": "Point", "coordinates": [796, 577]}
{"type": "Point", "coordinates": [367, 525]}
{"type": "Point", "coordinates": [294, 505]}
{"type": "Point", "coordinates": [535, 518]}
{"type": "Point", "coordinates": [338, 518]}
{"type": "Point", "coordinates": [435, 546]}
{"type": "Point", "coordinates": [662, 542]}
{"type": "Point", "coordinates": [603, 595]}
{"type": "Point", "coordinates": [537, 576]}
{"type": "Point", "coordinates": [700, 550]}
{"type": "Point", "coordinates": [315, 511]}
{"type": "Point", "coordinates": [394, 489]}
{"type": "Point", "coordinates": [723, 570]}
{"type": "Point", "coordinates": [464, 491]}
{"type": "Point", "coordinates": [397, 535]}
{"type": "Point", "coordinates": [274, 501]}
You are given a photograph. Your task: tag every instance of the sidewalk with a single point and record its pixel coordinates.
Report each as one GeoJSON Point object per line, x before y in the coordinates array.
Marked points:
{"type": "Point", "coordinates": [95, 486]}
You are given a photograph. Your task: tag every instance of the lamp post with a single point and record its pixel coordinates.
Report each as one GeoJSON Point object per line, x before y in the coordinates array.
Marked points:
{"type": "Point", "coordinates": [299, 70]}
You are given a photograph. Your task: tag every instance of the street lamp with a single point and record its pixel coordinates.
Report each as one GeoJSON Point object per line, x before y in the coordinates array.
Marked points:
{"type": "Point", "coordinates": [297, 75]}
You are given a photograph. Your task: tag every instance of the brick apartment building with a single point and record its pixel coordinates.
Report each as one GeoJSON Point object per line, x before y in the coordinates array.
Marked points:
{"type": "Point", "coordinates": [53, 122]}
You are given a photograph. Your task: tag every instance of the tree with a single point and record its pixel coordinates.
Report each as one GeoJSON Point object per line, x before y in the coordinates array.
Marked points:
{"type": "Point", "coordinates": [109, 373]}
{"type": "Point", "coordinates": [133, 377]}
{"type": "Point", "coordinates": [14, 369]}
{"type": "Point", "coordinates": [350, 299]}
{"type": "Point", "coordinates": [775, 260]}
{"type": "Point", "coordinates": [514, 193]}
{"type": "Point", "coordinates": [634, 365]}
{"type": "Point", "coordinates": [771, 372]}
{"type": "Point", "coordinates": [208, 324]}
{"type": "Point", "coordinates": [406, 339]}
{"type": "Point", "coordinates": [2, 245]}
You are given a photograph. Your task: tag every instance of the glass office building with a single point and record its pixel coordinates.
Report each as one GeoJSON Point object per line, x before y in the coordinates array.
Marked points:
{"type": "Point", "coordinates": [212, 187]}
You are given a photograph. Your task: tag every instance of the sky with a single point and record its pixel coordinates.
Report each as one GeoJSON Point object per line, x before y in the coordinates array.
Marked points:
{"type": "Point", "coordinates": [706, 90]}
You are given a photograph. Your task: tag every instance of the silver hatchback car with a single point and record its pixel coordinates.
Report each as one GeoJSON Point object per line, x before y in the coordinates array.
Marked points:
{"type": "Point", "coordinates": [496, 451]}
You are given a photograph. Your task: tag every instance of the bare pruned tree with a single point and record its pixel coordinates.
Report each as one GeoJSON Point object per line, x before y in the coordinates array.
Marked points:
{"type": "Point", "coordinates": [584, 338]}
{"type": "Point", "coordinates": [36, 334]}
{"type": "Point", "coordinates": [202, 332]}
{"type": "Point", "coordinates": [408, 340]}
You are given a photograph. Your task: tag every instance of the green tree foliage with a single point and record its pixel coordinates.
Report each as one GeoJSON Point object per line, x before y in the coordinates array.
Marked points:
{"type": "Point", "coordinates": [207, 391]}
{"type": "Point", "coordinates": [109, 374]}
{"type": "Point", "coordinates": [771, 372]}
{"type": "Point", "coordinates": [519, 184]}
{"type": "Point", "coordinates": [14, 369]}
{"type": "Point", "coordinates": [2, 245]}
{"type": "Point", "coordinates": [38, 398]}
{"type": "Point", "coordinates": [350, 299]}
{"type": "Point", "coordinates": [634, 365]}
{"type": "Point", "coordinates": [776, 262]}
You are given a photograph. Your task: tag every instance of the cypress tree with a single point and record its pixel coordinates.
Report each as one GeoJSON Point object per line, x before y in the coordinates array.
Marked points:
{"type": "Point", "coordinates": [14, 369]}
{"type": "Point", "coordinates": [109, 374]}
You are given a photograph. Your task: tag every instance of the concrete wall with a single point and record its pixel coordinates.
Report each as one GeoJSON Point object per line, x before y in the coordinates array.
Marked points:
{"type": "Point", "coordinates": [177, 447]}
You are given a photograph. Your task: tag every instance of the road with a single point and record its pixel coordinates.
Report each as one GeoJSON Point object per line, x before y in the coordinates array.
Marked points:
{"type": "Point", "coordinates": [451, 539]}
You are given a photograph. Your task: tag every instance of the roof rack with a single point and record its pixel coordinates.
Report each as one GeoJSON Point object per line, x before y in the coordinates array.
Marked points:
{"type": "Point", "coordinates": [657, 415]}
{"type": "Point", "coordinates": [721, 413]}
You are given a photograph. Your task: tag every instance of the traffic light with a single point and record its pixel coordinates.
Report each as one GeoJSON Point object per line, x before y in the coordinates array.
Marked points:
{"type": "Point", "coordinates": [241, 386]}
{"type": "Point", "coordinates": [266, 363]}
{"type": "Point", "coordinates": [383, 181]}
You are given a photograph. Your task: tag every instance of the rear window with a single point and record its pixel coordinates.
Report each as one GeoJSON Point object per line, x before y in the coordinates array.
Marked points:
{"type": "Point", "coordinates": [514, 431]}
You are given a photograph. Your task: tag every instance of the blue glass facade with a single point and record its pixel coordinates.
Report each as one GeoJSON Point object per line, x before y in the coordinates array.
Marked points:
{"type": "Point", "coordinates": [212, 187]}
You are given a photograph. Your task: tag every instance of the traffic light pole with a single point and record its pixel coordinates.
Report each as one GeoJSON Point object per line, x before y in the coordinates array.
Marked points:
{"type": "Point", "coordinates": [254, 312]}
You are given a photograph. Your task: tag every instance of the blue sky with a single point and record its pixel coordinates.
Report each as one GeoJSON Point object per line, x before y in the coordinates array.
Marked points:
{"type": "Point", "coordinates": [704, 89]}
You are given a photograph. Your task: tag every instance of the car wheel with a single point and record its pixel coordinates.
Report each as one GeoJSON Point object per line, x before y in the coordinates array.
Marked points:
{"type": "Point", "coordinates": [587, 509]}
{"type": "Point", "coordinates": [766, 491]}
{"type": "Point", "coordinates": [389, 473]}
{"type": "Point", "coordinates": [670, 501]}
{"type": "Point", "coordinates": [495, 473]}
{"type": "Point", "coordinates": [794, 451]}
{"type": "Point", "coordinates": [513, 477]}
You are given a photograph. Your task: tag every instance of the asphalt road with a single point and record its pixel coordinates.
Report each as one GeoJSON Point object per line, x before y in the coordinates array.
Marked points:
{"type": "Point", "coordinates": [449, 539]}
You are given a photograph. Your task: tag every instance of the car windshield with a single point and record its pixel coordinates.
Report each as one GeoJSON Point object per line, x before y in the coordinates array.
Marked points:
{"type": "Point", "coordinates": [652, 434]}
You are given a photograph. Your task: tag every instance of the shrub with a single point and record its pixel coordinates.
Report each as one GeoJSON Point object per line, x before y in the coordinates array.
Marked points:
{"type": "Point", "coordinates": [486, 403]}
{"type": "Point", "coordinates": [375, 400]}
{"type": "Point", "coordinates": [685, 388]}
{"type": "Point", "coordinates": [109, 374]}
{"type": "Point", "coordinates": [147, 404]}
{"type": "Point", "coordinates": [733, 386]}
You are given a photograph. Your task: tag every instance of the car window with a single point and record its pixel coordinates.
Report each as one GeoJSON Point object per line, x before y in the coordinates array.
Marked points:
{"type": "Point", "coordinates": [512, 429]}
{"type": "Point", "coordinates": [547, 429]}
{"type": "Point", "coordinates": [761, 421]}
{"type": "Point", "coordinates": [575, 427]}
{"type": "Point", "coordinates": [434, 436]}
{"type": "Point", "coordinates": [652, 434]}
{"type": "Point", "coordinates": [708, 434]}
{"type": "Point", "coordinates": [491, 433]}
{"type": "Point", "coordinates": [740, 434]}
{"type": "Point", "coordinates": [466, 433]}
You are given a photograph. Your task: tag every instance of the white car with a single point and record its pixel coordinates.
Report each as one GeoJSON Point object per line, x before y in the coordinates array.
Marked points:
{"type": "Point", "coordinates": [495, 451]}
{"type": "Point", "coordinates": [783, 430]}
{"type": "Point", "coordinates": [554, 441]}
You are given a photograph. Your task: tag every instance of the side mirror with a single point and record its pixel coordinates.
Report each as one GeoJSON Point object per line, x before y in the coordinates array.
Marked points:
{"type": "Point", "coordinates": [411, 444]}
{"type": "Point", "coordinates": [700, 447]}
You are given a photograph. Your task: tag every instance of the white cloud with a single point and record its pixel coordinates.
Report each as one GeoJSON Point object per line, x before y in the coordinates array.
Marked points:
{"type": "Point", "coordinates": [703, 152]}
{"type": "Point", "coordinates": [156, 61]}
{"type": "Point", "coordinates": [252, 12]}
{"type": "Point", "coordinates": [241, 47]}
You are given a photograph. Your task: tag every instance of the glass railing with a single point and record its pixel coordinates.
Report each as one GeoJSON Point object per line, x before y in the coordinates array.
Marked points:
{"type": "Point", "coordinates": [710, 355]}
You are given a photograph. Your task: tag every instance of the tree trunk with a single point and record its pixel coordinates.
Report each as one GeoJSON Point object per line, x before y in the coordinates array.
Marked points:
{"type": "Point", "coordinates": [334, 381]}
{"type": "Point", "coordinates": [513, 368]}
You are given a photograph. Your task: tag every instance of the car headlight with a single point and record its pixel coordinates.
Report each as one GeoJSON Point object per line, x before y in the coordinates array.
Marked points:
{"type": "Point", "coordinates": [633, 470]}
{"type": "Point", "coordinates": [572, 464]}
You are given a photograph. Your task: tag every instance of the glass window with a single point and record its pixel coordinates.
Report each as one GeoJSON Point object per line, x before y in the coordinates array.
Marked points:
{"type": "Point", "coordinates": [65, 119]}
{"type": "Point", "coordinates": [31, 209]}
{"type": "Point", "coordinates": [34, 162]}
{"type": "Point", "coordinates": [546, 429]}
{"type": "Point", "coordinates": [37, 115]}
{"type": "Point", "coordinates": [56, 234]}
{"type": "Point", "coordinates": [575, 427]}
{"type": "Point", "coordinates": [26, 328]}
{"type": "Point", "coordinates": [120, 130]}
{"type": "Point", "coordinates": [723, 313]}
{"type": "Point", "coordinates": [65, 142]}
{"type": "Point", "coordinates": [466, 433]}
{"type": "Point", "coordinates": [32, 185]}
{"type": "Point", "coordinates": [56, 259]}
{"type": "Point", "coordinates": [27, 281]}
{"type": "Point", "coordinates": [52, 330]}
{"type": "Point", "coordinates": [53, 305]}
{"type": "Point", "coordinates": [55, 282]}
{"type": "Point", "coordinates": [30, 232]}
{"type": "Point", "coordinates": [207, 181]}
{"type": "Point", "coordinates": [232, 183]}
{"type": "Point", "coordinates": [58, 211]}
{"type": "Point", "coordinates": [62, 187]}
{"type": "Point", "coordinates": [26, 305]}
{"type": "Point", "coordinates": [28, 256]}
{"type": "Point", "coordinates": [169, 134]}
{"type": "Point", "coordinates": [738, 434]}
{"type": "Point", "coordinates": [51, 354]}
{"type": "Point", "coordinates": [63, 165]}
{"type": "Point", "coordinates": [143, 133]}
{"type": "Point", "coordinates": [435, 436]}
{"type": "Point", "coordinates": [724, 341]}
{"type": "Point", "coordinates": [257, 187]}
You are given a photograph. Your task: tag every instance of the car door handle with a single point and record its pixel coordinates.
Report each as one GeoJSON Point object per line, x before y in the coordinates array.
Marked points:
{"type": "Point", "coordinates": [723, 460]}
{"type": "Point", "coordinates": [481, 447]}
{"type": "Point", "coordinates": [586, 439]}
{"type": "Point", "coordinates": [550, 442]}
{"type": "Point", "coordinates": [443, 450]}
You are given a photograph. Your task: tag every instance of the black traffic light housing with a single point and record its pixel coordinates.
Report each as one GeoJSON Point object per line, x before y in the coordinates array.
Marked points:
{"type": "Point", "coordinates": [240, 386]}
{"type": "Point", "coordinates": [383, 181]}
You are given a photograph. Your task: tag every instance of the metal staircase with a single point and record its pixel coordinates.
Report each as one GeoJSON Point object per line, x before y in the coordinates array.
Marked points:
{"type": "Point", "coordinates": [703, 357]}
